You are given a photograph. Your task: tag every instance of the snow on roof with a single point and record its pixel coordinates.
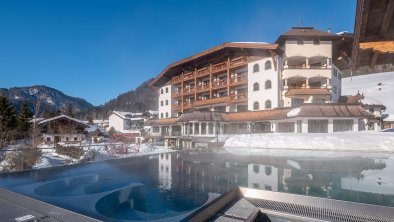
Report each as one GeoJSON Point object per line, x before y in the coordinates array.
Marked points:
{"type": "Point", "coordinates": [153, 112]}
{"type": "Point", "coordinates": [371, 101]}
{"type": "Point", "coordinates": [294, 112]}
{"type": "Point", "coordinates": [93, 128]}
{"type": "Point", "coordinates": [63, 116]}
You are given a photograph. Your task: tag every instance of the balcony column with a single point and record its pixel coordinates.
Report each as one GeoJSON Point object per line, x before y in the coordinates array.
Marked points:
{"type": "Point", "coordinates": [207, 128]}
{"type": "Point", "coordinates": [170, 130]}
{"type": "Point", "coordinates": [307, 83]}
{"type": "Point", "coordinates": [193, 127]}
{"type": "Point", "coordinates": [328, 82]}
{"type": "Point", "coordinates": [307, 63]}
{"type": "Point", "coordinates": [199, 128]}
{"type": "Point", "coordinates": [328, 62]}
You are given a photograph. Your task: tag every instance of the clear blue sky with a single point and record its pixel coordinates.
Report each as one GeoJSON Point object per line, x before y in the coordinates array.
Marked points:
{"type": "Point", "coordinates": [97, 49]}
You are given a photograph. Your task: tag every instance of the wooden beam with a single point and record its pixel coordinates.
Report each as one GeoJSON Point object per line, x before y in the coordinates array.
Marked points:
{"type": "Point", "coordinates": [374, 59]}
{"type": "Point", "coordinates": [388, 14]}
{"type": "Point", "coordinates": [382, 46]}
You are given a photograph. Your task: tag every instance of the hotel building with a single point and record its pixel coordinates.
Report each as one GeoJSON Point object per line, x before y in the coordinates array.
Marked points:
{"type": "Point", "coordinates": [293, 85]}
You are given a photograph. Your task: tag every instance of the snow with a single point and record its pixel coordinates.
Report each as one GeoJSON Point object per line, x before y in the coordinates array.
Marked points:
{"type": "Point", "coordinates": [369, 85]}
{"type": "Point", "coordinates": [364, 141]}
{"type": "Point", "coordinates": [294, 112]}
{"type": "Point", "coordinates": [62, 116]}
{"type": "Point", "coordinates": [294, 164]}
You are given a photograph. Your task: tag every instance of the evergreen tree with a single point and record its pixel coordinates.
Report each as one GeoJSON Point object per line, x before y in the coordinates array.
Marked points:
{"type": "Point", "coordinates": [23, 119]}
{"type": "Point", "coordinates": [7, 114]}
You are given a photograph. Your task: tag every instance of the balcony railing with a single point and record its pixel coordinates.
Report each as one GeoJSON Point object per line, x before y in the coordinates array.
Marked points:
{"type": "Point", "coordinates": [204, 102]}
{"type": "Point", "coordinates": [203, 71]}
{"type": "Point", "coordinates": [239, 61]}
{"type": "Point", "coordinates": [177, 106]}
{"type": "Point", "coordinates": [177, 93]}
{"type": "Point", "coordinates": [202, 88]}
{"type": "Point", "coordinates": [189, 90]}
{"type": "Point", "coordinates": [219, 67]}
{"type": "Point", "coordinates": [238, 80]}
{"type": "Point", "coordinates": [239, 97]}
{"type": "Point", "coordinates": [188, 76]}
{"type": "Point", "coordinates": [219, 84]}
{"type": "Point", "coordinates": [304, 66]}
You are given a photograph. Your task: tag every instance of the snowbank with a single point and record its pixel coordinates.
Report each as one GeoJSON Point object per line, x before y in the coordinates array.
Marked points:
{"type": "Point", "coordinates": [377, 88]}
{"type": "Point", "coordinates": [343, 141]}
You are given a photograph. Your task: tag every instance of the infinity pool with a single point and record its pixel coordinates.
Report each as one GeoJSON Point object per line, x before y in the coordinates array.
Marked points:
{"type": "Point", "coordinates": [170, 186]}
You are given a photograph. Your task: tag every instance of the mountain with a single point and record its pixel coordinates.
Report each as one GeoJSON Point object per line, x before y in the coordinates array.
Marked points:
{"type": "Point", "coordinates": [51, 99]}
{"type": "Point", "coordinates": [141, 99]}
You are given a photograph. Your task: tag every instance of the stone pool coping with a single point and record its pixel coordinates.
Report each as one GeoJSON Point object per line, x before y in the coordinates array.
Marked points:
{"type": "Point", "coordinates": [13, 206]}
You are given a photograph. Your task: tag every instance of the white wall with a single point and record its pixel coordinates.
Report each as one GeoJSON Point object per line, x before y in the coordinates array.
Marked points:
{"type": "Point", "coordinates": [261, 77]}
{"type": "Point", "coordinates": [308, 49]}
{"type": "Point", "coordinates": [336, 83]}
{"type": "Point", "coordinates": [116, 122]}
{"type": "Point", "coordinates": [163, 97]}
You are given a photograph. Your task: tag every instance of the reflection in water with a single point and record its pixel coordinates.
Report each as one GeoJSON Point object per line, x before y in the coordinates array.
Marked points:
{"type": "Point", "coordinates": [175, 183]}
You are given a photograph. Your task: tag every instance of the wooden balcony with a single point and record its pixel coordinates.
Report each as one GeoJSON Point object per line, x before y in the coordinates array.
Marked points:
{"type": "Point", "coordinates": [219, 84]}
{"type": "Point", "coordinates": [216, 100]}
{"type": "Point", "coordinates": [188, 76]}
{"type": "Point", "coordinates": [203, 71]}
{"type": "Point", "coordinates": [177, 106]}
{"type": "Point", "coordinates": [238, 61]}
{"type": "Point", "coordinates": [188, 91]}
{"type": "Point", "coordinates": [237, 98]}
{"type": "Point", "coordinates": [187, 105]}
{"type": "Point", "coordinates": [239, 80]}
{"type": "Point", "coordinates": [203, 88]}
{"type": "Point", "coordinates": [177, 93]}
{"type": "Point", "coordinates": [219, 67]}
{"type": "Point", "coordinates": [176, 79]}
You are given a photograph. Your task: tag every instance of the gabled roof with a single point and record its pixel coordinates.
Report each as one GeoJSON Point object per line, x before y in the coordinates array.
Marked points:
{"type": "Point", "coordinates": [80, 122]}
{"type": "Point", "coordinates": [240, 45]}
{"type": "Point", "coordinates": [306, 33]}
{"type": "Point", "coordinates": [126, 115]}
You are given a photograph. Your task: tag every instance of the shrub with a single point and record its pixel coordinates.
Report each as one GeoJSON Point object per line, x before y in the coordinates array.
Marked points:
{"type": "Point", "coordinates": [71, 151]}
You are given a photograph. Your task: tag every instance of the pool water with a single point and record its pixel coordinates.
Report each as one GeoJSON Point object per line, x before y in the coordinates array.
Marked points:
{"type": "Point", "coordinates": [168, 187]}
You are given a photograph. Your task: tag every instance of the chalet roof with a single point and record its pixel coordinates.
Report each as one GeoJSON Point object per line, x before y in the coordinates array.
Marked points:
{"type": "Point", "coordinates": [351, 99]}
{"type": "Point", "coordinates": [211, 52]}
{"type": "Point", "coordinates": [160, 122]}
{"type": "Point", "coordinates": [126, 115]}
{"type": "Point", "coordinates": [272, 114]}
{"type": "Point", "coordinates": [333, 110]}
{"type": "Point", "coordinates": [80, 122]}
{"type": "Point", "coordinates": [373, 33]}
{"type": "Point", "coordinates": [308, 92]}
{"type": "Point", "coordinates": [306, 33]}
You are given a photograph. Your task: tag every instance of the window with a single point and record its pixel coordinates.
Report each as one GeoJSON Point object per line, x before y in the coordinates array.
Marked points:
{"type": "Point", "coordinates": [267, 187]}
{"type": "Point", "coordinates": [297, 102]}
{"type": "Point", "coordinates": [268, 170]}
{"type": "Point", "coordinates": [203, 128]}
{"type": "Point", "coordinates": [343, 125]}
{"type": "Point", "coordinates": [166, 114]}
{"type": "Point", "coordinates": [256, 68]}
{"type": "Point", "coordinates": [256, 168]}
{"type": "Point", "coordinates": [166, 89]}
{"type": "Point", "coordinates": [256, 106]}
{"type": "Point", "coordinates": [286, 127]}
{"type": "Point", "coordinates": [161, 115]}
{"type": "Point", "coordinates": [256, 86]}
{"type": "Point", "coordinates": [300, 42]}
{"type": "Point", "coordinates": [48, 139]}
{"type": "Point", "coordinates": [267, 65]}
{"type": "Point", "coordinates": [167, 102]}
{"type": "Point", "coordinates": [335, 73]}
{"type": "Point", "coordinates": [75, 139]}
{"type": "Point", "coordinates": [161, 91]}
{"type": "Point", "coordinates": [318, 126]}
{"type": "Point", "coordinates": [268, 84]}
{"type": "Point", "coordinates": [371, 110]}
{"type": "Point", "coordinates": [268, 104]}
{"type": "Point", "coordinates": [161, 103]}
{"type": "Point", "coordinates": [316, 42]}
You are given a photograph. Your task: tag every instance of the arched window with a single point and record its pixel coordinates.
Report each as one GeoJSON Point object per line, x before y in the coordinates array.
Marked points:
{"type": "Point", "coordinates": [268, 170]}
{"type": "Point", "coordinates": [256, 106]}
{"type": "Point", "coordinates": [256, 68]}
{"type": "Point", "coordinates": [161, 103]}
{"type": "Point", "coordinates": [268, 104]}
{"type": "Point", "coordinates": [166, 102]}
{"type": "Point", "coordinates": [268, 84]}
{"type": "Point", "coordinates": [166, 89]}
{"type": "Point", "coordinates": [256, 86]}
{"type": "Point", "coordinates": [161, 91]}
{"type": "Point", "coordinates": [267, 65]}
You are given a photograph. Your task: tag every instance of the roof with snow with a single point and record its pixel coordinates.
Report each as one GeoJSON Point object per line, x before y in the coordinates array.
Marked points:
{"type": "Point", "coordinates": [63, 117]}
{"type": "Point", "coordinates": [128, 115]}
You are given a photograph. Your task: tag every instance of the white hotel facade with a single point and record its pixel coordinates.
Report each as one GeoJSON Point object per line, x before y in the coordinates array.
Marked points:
{"type": "Point", "coordinates": [293, 85]}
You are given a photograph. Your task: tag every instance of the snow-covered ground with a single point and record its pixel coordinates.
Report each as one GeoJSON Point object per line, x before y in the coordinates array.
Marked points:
{"type": "Point", "coordinates": [376, 87]}
{"type": "Point", "coordinates": [363, 141]}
